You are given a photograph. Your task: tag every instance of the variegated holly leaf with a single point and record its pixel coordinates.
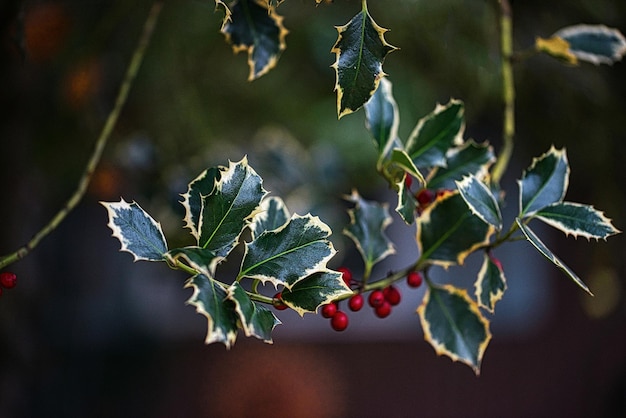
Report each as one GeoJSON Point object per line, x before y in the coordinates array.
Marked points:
{"type": "Point", "coordinates": [137, 231]}
{"type": "Point", "coordinates": [544, 182]}
{"type": "Point", "coordinates": [290, 253]}
{"type": "Point", "coordinates": [399, 158]}
{"type": "Point", "coordinates": [480, 200]}
{"type": "Point", "coordinates": [382, 119]}
{"type": "Point", "coordinates": [201, 186]}
{"type": "Point", "coordinates": [255, 27]}
{"type": "Point", "coordinates": [272, 215]}
{"type": "Point", "coordinates": [406, 202]}
{"type": "Point", "coordinates": [578, 220]}
{"type": "Point", "coordinates": [454, 325]}
{"type": "Point", "coordinates": [596, 44]}
{"type": "Point", "coordinates": [198, 258]}
{"type": "Point", "coordinates": [435, 134]}
{"type": "Point", "coordinates": [227, 13]}
{"type": "Point", "coordinates": [491, 283]}
{"type": "Point", "coordinates": [545, 251]}
{"type": "Point", "coordinates": [256, 320]}
{"type": "Point", "coordinates": [227, 210]}
{"type": "Point", "coordinates": [318, 289]}
{"type": "Point", "coordinates": [470, 158]}
{"type": "Point", "coordinates": [447, 231]}
{"type": "Point", "coordinates": [361, 49]}
{"type": "Point", "coordinates": [368, 221]}
{"type": "Point", "coordinates": [211, 300]}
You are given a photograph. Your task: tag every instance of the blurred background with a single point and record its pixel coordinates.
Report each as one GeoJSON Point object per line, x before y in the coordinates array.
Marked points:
{"type": "Point", "coordinates": [87, 332]}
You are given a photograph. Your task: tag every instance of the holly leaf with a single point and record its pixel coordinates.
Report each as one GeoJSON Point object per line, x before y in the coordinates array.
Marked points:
{"type": "Point", "coordinates": [491, 283]}
{"type": "Point", "coordinates": [447, 232]}
{"type": "Point", "coordinates": [227, 13]}
{"type": "Point", "coordinates": [272, 215]}
{"type": "Point", "coordinates": [544, 182]}
{"type": "Point", "coordinates": [254, 27]}
{"type": "Point", "coordinates": [211, 300]}
{"type": "Point", "coordinates": [382, 119]}
{"type": "Point", "coordinates": [227, 209]}
{"type": "Point", "coordinates": [470, 158]}
{"type": "Point", "coordinates": [201, 186]}
{"type": "Point", "coordinates": [578, 220]}
{"type": "Point", "coordinates": [290, 253]}
{"type": "Point", "coordinates": [368, 221]}
{"type": "Point", "coordinates": [401, 159]}
{"type": "Point", "coordinates": [406, 203]}
{"type": "Point", "coordinates": [360, 49]}
{"type": "Point", "coordinates": [596, 44]}
{"type": "Point", "coordinates": [318, 289]}
{"type": "Point", "coordinates": [545, 251]}
{"type": "Point", "coordinates": [137, 231]}
{"type": "Point", "coordinates": [256, 320]}
{"type": "Point", "coordinates": [198, 258]}
{"type": "Point", "coordinates": [480, 200]}
{"type": "Point", "coordinates": [454, 325]}
{"type": "Point", "coordinates": [435, 134]}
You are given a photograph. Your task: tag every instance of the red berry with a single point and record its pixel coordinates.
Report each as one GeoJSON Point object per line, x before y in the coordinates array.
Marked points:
{"type": "Point", "coordinates": [8, 280]}
{"type": "Point", "coordinates": [278, 302]}
{"type": "Point", "coordinates": [356, 302]}
{"type": "Point", "coordinates": [414, 279]}
{"type": "Point", "coordinates": [376, 298]}
{"type": "Point", "coordinates": [425, 197]}
{"type": "Point", "coordinates": [346, 275]}
{"type": "Point", "coordinates": [329, 310]}
{"type": "Point", "coordinates": [339, 322]}
{"type": "Point", "coordinates": [392, 295]}
{"type": "Point", "coordinates": [383, 310]}
{"type": "Point", "coordinates": [408, 181]}
{"type": "Point", "coordinates": [496, 262]}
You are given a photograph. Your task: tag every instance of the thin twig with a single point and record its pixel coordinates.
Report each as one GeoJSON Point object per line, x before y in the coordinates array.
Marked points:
{"type": "Point", "coordinates": [105, 134]}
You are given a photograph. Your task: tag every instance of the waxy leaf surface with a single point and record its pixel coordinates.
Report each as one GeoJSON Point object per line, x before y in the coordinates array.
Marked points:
{"type": "Point", "coordinates": [480, 200]}
{"type": "Point", "coordinates": [138, 233]}
{"type": "Point", "coordinates": [318, 289]}
{"type": "Point", "coordinates": [577, 220]}
{"type": "Point", "coordinates": [201, 186]}
{"type": "Point", "coordinates": [382, 118]}
{"type": "Point", "coordinates": [545, 182]}
{"type": "Point", "coordinates": [272, 214]}
{"type": "Point", "coordinates": [454, 325]}
{"type": "Point", "coordinates": [406, 203]}
{"type": "Point", "coordinates": [470, 158]}
{"type": "Point", "coordinates": [198, 258]}
{"type": "Point", "coordinates": [491, 283]}
{"type": "Point", "coordinates": [597, 44]}
{"type": "Point", "coordinates": [256, 320]}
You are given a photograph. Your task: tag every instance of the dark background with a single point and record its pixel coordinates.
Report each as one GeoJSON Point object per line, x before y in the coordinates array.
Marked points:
{"type": "Point", "coordinates": [87, 332]}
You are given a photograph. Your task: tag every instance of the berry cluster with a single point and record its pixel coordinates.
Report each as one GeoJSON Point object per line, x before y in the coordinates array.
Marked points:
{"type": "Point", "coordinates": [8, 280]}
{"type": "Point", "coordinates": [423, 196]}
{"type": "Point", "coordinates": [380, 300]}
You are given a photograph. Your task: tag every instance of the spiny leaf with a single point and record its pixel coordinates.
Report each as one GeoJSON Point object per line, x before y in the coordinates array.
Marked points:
{"type": "Point", "coordinates": [318, 289]}
{"type": "Point", "coordinates": [435, 134]}
{"type": "Point", "coordinates": [596, 44]}
{"type": "Point", "coordinates": [272, 215]}
{"type": "Point", "coordinates": [290, 253]}
{"type": "Point", "coordinates": [382, 119]}
{"type": "Point", "coordinates": [480, 200]}
{"type": "Point", "coordinates": [255, 27]}
{"type": "Point", "coordinates": [578, 220]}
{"type": "Point", "coordinates": [201, 186]}
{"type": "Point", "coordinates": [470, 158]}
{"type": "Point", "coordinates": [491, 283]}
{"type": "Point", "coordinates": [256, 320]}
{"type": "Point", "coordinates": [211, 300]}
{"type": "Point", "coordinates": [138, 233]}
{"type": "Point", "coordinates": [368, 221]}
{"type": "Point", "coordinates": [227, 209]}
{"type": "Point", "coordinates": [227, 13]}
{"type": "Point", "coordinates": [406, 202]}
{"type": "Point", "coordinates": [447, 232]}
{"type": "Point", "coordinates": [545, 251]}
{"type": "Point", "coordinates": [454, 325]}
{"type": "Point", "coordinates": [544, 182]}
{"type": "Point", "coordinates": [361, 49]}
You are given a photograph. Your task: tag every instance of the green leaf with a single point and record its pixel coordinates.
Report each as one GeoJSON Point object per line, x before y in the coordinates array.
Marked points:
{"type": "Point", "coordinates": [201, 186]}
{"type": "Point", "coordinates": [382, 118]}
{"type": "Point", "coordinates": [368, 221]}
{"type": "Point", "coordinates": [406, 203]}
{"type": "Point", "coordinates": [255, 27]}
{"type": "Point", "coordinates": [578, 220]}
{"type": "Point", "coordinates": [138, 233]}
{"type": "Point", "coordinates": [435, 134]}
{"type": "Point", "coordinates": [454, 325]}
{"type": "Point", "coordinates": [227, 209]}
{"type": "Point", "coordinates": [401, 159]}
{"type": "Point", "coordinates": [541, 247]}
{"type": "Point", "coordinates": [491, 283]}
{"type": "Point", "coordinates": [480, 200]}
{"type": "Point", "coordinates": [198, 258]}
{"type": "Point", "coordinates": [272, 215]}
{"type": "Point", "coordinates": [211, 300]}
{"type": "Point", "coordinates": [470, 158]}
{"type": "Point", "coordinates": [596, 44]}
{"type": "Point", "coordinates": [227, 13]}
{"type": "Point", "coordinates": [447, 232]}
{"type": "Point", "coordinates": [361, 49]}
{"type": "Point", "coordinates": [290, 253]}
{"type": "Point", "coordinates": [316, 290]}
{"type": "Point", "coordinates": [544, 182]}
{"type": "Point", "coordinates": [256, 320]}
